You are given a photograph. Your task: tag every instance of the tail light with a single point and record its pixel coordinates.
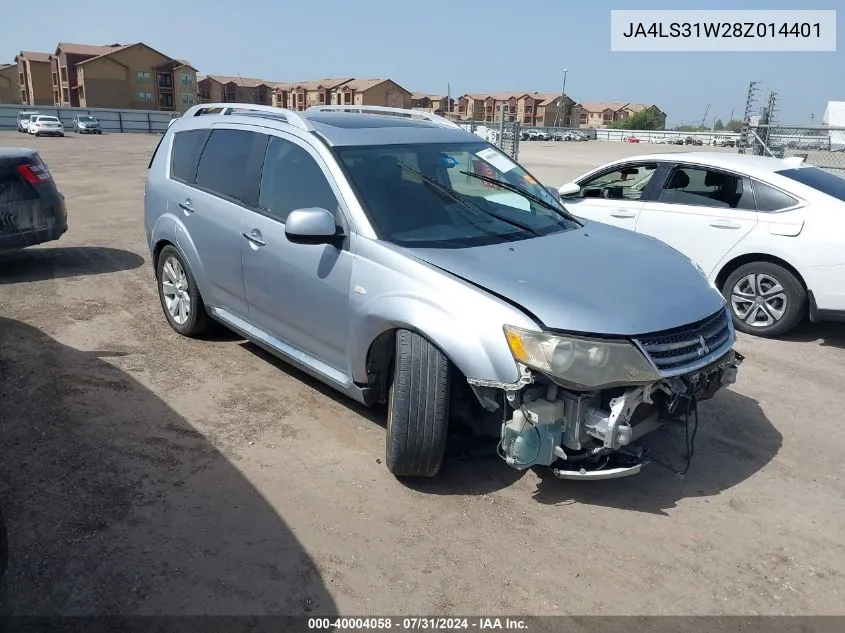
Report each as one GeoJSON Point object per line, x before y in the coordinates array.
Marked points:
{"type": "Point", "coordinates": [35, 173]}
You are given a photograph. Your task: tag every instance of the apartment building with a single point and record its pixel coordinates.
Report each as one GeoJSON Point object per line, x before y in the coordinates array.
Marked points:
{"type": "Point", "coordinates": [539, 109]}
{"type": "Point", "coordinates": [531, 109]}
{"type": "Point", "coordinates": [344, 91]}
{"type": "Point", "coordinates": [34, 80]}
{"type": "Point", "coordinates": [10, 91]}
{"type": "Point", "coordinates": [602, 114]}
{"type": "Point", "coordinates": [432, 102]}
{"type": "Point", "coordinates": [133, 76]}
{"type": "Point", "coordinates": [226, 89]}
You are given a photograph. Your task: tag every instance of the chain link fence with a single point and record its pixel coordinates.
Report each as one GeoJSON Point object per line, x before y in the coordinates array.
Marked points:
{"type": "Point", "coordinates": [821, 146]}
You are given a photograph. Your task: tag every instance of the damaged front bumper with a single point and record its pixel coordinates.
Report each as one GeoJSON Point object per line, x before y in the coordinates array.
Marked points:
{"type": "Point", "coordinates": [591, 435]}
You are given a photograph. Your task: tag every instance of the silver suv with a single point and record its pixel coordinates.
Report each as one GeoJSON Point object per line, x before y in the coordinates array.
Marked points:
{"type": "Point", "coordinates": [408, 262]}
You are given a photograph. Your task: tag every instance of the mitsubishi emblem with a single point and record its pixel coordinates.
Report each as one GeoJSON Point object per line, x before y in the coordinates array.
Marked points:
{"type": "Point", "coordinates": [703, 349]}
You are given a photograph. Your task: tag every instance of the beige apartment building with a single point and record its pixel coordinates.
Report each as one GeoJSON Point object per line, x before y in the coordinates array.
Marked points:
{"type": "Point", "coordinates": [226, 89]}
{"type": "Point", "coordinates": [602, 114]}
{"type": "Point", "coordinates": [133, 76]}
{"type": "Point", "coordinates": [10, 91]}
{"type": "Point", "coordinates": [531, 109]}
{"type": "Point", "coordinates": [432, 102]}
{"type": "Point", "coordinates": [34, 80]}
{"type": "Point", "coordinates": [345, 91]}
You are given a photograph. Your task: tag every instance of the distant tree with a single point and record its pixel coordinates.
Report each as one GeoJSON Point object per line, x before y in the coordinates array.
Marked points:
{"type": "Point", "coordinates": [648, 119]}
{"type": "Point", "coordinates": [734, 125]}
{"type": "Point", "coordinates": [687, 128]}
{"type": "Point", "coordinates": [719, 125]}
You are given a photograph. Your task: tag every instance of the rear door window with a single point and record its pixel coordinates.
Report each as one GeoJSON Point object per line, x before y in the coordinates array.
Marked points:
{"type": "Point", "coordinates": [186, 150]}
{"type": "Point", "coordinates": [230, 166]}
{"type": "Point", "coordinates": [702, 187]}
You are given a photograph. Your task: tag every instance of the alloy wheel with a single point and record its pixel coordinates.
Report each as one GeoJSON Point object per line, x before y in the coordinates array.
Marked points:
{"type": "Point", "coordinates": [174, 287]}
{"type": "Point", "coordinates": [759, 300]}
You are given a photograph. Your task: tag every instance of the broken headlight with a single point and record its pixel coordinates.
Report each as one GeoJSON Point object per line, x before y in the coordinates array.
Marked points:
{"type": "Point", "coordinates": [581, 363]}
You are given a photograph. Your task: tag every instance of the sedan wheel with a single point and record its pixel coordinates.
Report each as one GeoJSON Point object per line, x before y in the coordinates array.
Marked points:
{"type": "Point", "coordinates": [765, 299]}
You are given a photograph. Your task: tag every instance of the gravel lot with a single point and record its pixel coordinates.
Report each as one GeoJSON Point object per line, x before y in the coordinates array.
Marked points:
{"type": "Point", "coordinates": [141, 472]}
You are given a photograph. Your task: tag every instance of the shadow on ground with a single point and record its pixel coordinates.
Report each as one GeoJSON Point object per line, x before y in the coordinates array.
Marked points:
{"type": "Point", "coordinates": [471, 466]}
{"type": "Point", "coordinates": [37, 264]}
{"type": "Point", "coordinates": [116, 505]}
{"type": "Point", "coordinates": [829, 334]}
{"type": "Point", "coordinates": [734, 441]}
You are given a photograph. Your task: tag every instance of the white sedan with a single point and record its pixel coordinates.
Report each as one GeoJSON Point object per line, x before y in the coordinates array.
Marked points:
{"type": "Point", "coordinates": [769, 233]}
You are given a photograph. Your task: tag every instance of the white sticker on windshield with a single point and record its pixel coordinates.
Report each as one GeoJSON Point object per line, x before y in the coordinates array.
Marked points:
{"type": "Point", "coordinates": [499, 161]}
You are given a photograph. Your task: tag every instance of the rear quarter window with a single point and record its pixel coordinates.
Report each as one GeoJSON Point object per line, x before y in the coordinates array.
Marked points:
{"type": "Point", "coordinates": [770, 200]}
{"type": "Point", "coordinates": [186, 150]}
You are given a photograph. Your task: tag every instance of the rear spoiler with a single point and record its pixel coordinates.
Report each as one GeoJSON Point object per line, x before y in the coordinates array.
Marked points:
{"type": "Point", "coordinates": [794, 161]}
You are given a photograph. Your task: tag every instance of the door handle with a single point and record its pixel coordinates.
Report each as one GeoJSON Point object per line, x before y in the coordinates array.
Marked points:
{"type": "Point", "coordinates": [622, 213]}
{"type": "Point", "coordinates": [254, 237]}
{"type": "Point", "coordinates": [725, 224]}
{"type": "Point", "coordinates": [186, 206]}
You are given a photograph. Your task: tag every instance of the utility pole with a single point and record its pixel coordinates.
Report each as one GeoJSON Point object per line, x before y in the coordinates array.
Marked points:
{"type": "Point", "coordinates": [561, 106]}
{"type": "Point", "coordinates": [704, 118]}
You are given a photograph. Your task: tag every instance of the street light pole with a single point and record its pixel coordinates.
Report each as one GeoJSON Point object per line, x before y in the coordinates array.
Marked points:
{"type": "Point", "coordinates": [561, 108]}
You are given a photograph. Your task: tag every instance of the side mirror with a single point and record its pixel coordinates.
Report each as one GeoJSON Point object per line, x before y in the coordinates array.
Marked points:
{"type": "Point", "coordinates": [311, 226]}
{"type": "Point", "coordinates": [568, 190]}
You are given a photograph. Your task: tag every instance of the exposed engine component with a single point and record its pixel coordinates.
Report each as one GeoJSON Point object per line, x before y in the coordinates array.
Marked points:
{"type": "Point", "coordinates": [589, 435]}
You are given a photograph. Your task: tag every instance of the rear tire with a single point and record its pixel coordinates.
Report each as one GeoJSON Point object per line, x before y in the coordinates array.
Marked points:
{"type": "Point", "coordinates": [418, 408]}
{"type": "Point", "coordinates": [765, 299]}
{"type": "Point", "coordinates": [178, 289]}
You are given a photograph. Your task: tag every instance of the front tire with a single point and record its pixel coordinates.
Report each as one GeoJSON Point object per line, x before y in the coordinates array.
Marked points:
{"type": "Point", "coordinates": [765, 299]}
{"type": "Point", "coordinates": [180, 298]}
{"type": "Point", "coordinates": [418, 408]}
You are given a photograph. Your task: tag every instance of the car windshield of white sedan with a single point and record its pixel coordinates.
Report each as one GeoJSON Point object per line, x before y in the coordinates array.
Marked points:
{"type": "Point", "coordinates": [443, 195]}
{"type": "Point", "coordinates": [47, 119]}
{"type": "Point", "coordinates": [818, 179]}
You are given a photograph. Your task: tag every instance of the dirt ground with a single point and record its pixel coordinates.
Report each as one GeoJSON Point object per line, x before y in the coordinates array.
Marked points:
{"type": "Point", "coordinates": [145, 473]}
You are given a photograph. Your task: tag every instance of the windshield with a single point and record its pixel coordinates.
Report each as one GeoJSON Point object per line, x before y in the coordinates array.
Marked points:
{"type": "Point", "coordinates": [818, 179]}
{"type": "Point", "coordinates": [87, 119]}
{"type": "Point", "coordinates": [48, 119]}
{"type": "Point", "coordinates": [425, 195]}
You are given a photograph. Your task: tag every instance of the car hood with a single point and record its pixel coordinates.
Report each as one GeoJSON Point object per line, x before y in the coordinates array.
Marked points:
{"type": "Point", "coordinates": [597, 279]}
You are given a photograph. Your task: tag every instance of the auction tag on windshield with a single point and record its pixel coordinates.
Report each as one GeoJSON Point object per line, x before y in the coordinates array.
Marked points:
{"type": "Point", "coordinates": [499, 161]}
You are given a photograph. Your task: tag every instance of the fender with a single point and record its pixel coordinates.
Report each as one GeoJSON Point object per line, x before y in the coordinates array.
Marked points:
{"type": "Point", "coordinates": [472, 351]}
{"type": "Point", "coordinates": [169, 228]}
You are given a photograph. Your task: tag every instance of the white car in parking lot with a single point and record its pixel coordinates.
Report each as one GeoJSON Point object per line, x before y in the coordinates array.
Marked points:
{"type": "Point", "coordinates": [768, 232]}
{"type": "Point", "coordinates": [43, 125]}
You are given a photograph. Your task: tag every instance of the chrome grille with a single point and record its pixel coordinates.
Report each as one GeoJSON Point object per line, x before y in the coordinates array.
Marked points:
{"type": "Point", "coordinates": [675, 350]}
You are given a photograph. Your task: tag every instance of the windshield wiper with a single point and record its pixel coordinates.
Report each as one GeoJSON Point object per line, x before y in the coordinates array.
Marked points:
{"type": "Point", "coordinates": [454, 195]}
{"type": "Point", "coordinates": [527, 194]}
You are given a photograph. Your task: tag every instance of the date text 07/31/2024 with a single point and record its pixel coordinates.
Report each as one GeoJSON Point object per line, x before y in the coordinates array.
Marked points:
{"type": "Point", "coordinates": [722, 30]}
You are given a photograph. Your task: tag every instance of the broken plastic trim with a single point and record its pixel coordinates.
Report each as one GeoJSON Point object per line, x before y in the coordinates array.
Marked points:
{"type": "Point", "coordinates": [525, 378]}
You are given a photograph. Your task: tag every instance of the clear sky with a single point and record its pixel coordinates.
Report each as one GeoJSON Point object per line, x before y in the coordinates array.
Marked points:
{"type": "Point", "coordinates": [423, 45]}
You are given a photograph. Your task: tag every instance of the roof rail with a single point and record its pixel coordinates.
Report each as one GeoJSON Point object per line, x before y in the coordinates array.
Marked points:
{"type": "Point", "coordinates": [293, 118]}
{"type": "Point", "coordinates": [429, 116]}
